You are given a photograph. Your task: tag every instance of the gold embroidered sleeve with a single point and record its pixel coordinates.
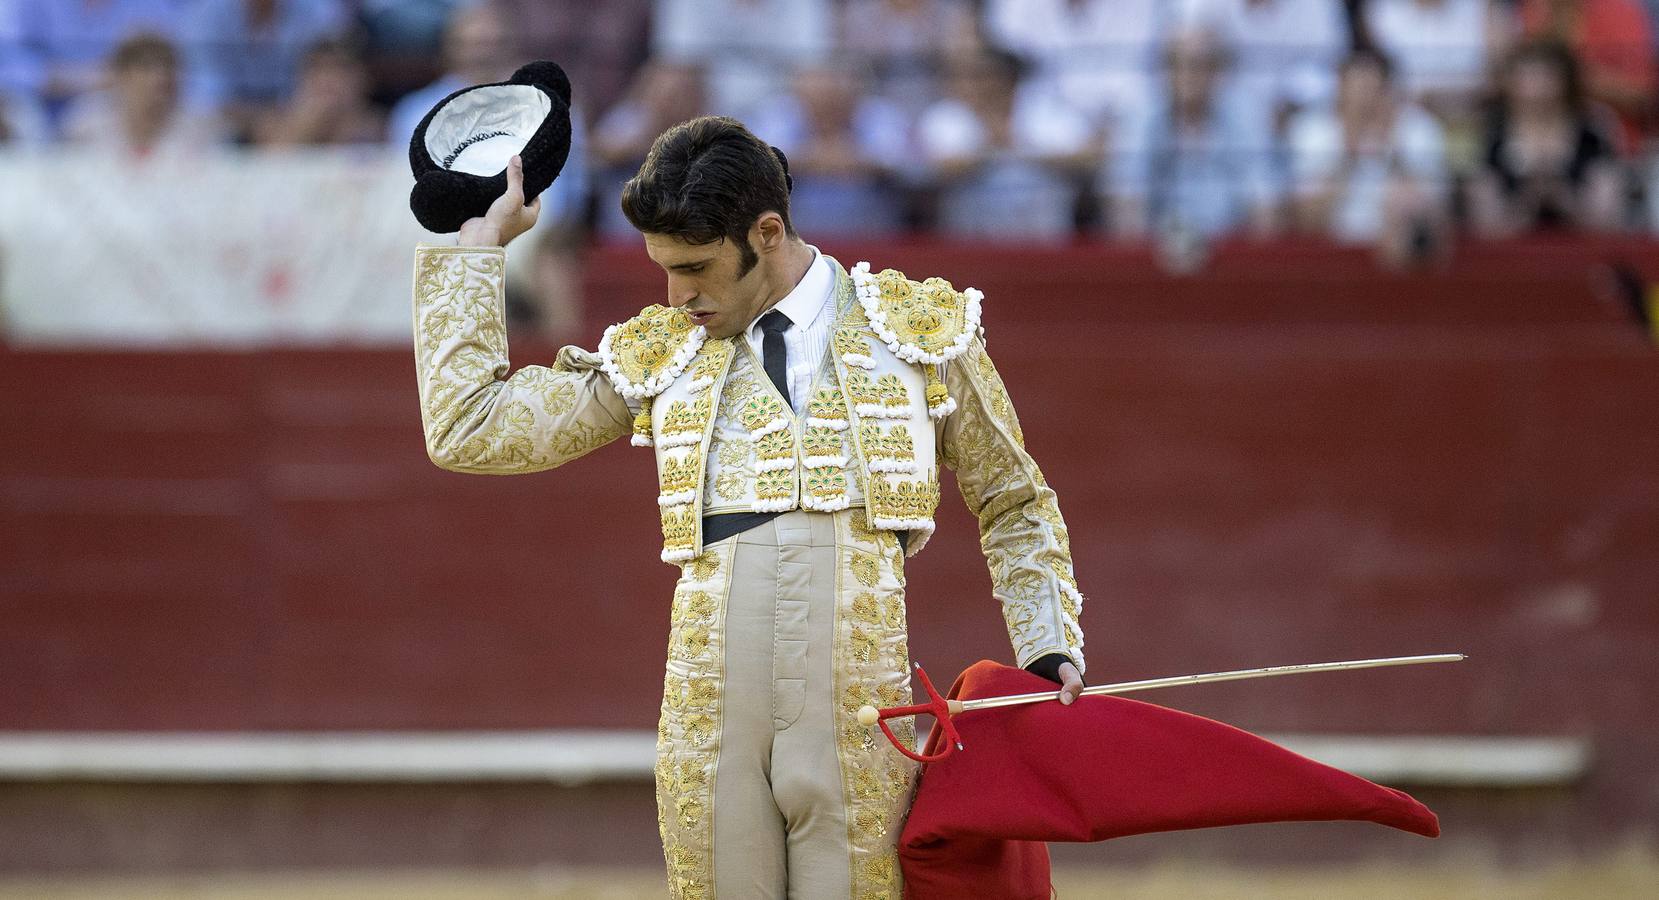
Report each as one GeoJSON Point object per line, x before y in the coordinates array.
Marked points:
{"type": "Point", "coordinates": [1020, 529]}
{"type": "Point", "coordinates": [477, 417]}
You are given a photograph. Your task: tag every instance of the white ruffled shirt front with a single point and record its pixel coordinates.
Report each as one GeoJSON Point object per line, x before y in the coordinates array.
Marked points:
{"type": "Point", "coordinates": [809, 307]}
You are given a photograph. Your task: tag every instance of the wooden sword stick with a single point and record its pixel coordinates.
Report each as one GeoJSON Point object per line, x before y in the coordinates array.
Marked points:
{"type": "Point", "coordinates": [869, 715]}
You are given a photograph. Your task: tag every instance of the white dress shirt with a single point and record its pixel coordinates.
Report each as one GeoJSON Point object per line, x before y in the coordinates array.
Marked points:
{"type": "Point", "coordinates": [810, 308]}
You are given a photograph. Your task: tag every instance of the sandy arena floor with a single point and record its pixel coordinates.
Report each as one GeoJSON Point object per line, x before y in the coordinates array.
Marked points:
{"type": "Point", "coordinates": [1632, 874]}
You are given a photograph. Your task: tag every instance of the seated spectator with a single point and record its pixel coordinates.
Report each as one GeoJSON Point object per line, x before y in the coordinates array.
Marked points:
{"type": "Point", "coordinates": [1548, 163]}
{"type": "Point", "coordinates": [405, 39]}
{"type": "Point", "coordinates": [139, 113]}
{"type": "Point", "coordinates": [478, 48]}
{"type": "Point", "coordinates": [1373, 170]}
{"type": "Point", "coordinates": [1192, 163]}
{"type": "Point", "coordinates": [905, 44]}
{"type": "Point", "coordinates": [246, 54]}
{"type": "Point", "coordinates": [1443, 49]}
{"type": "Point", "coordinates": [1613, 41]}
{"type": "Point", "coordinates": [1096, 55]}
{"type": "Point", "coordinates": [747, 49]}
{"type": "Point", "coordinates": [664, 94]}
{"type": "Point", "coordinates": [842, 145]}
{"type": "Point", "coordinates": [22, 123]}
{"type": "Point", "coordinates": [1009, 157]}
{"type": "Point", "coordinates": [1285, 52]}
{"type": "Point", "coordinates": [601, 45]}
{"type": "Point", "coordinates": [330, 105]}
{"type": "Point", "coordinates": [22, 120]}
{"type": "Point", "coordinates": [64, 45]}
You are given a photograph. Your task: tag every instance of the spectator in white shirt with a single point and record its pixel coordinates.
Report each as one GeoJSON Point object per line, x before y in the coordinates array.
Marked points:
{"type": "Point", "coordinates": [1372, 170]}
{"type": "Point", "coordinates": [746, 48]}
{"type": "Point", "coordinates": [1442, 48]}
{"type": "Point", "coordinates": [139, 115]}
{"type": "Point", "coordinates": [1285, 52]}
{"type": "Point", "coordinates": [1009, 157]}
{"type": "Point", "coordinates": [1099, 56]}
{"type": "Point", "coordinates": [844, 146]}
{"type": "Point", "coordinates": [906, 44]}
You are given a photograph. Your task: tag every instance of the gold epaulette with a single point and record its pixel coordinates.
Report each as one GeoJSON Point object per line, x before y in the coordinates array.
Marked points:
{"type": "Point", "coordinates": [644, 355]}
{"type": "Point", "coordinates": [923, 322]}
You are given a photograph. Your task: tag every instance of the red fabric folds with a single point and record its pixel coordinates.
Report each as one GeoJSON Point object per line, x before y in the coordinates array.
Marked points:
{"type": "Point", "coordinates": [1102, 768]}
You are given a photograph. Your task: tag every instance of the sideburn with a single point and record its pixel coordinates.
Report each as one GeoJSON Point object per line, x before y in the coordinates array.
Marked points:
{"type": "Point", "coordinates": [746, 258]}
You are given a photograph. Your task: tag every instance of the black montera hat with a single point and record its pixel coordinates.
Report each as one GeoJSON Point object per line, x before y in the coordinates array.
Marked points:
{"type": "Point", "coordinates": [460, 150]}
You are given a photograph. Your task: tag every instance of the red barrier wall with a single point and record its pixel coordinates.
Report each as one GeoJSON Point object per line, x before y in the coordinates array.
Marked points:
{"type": "Point", "coordinates": [1290, 458]}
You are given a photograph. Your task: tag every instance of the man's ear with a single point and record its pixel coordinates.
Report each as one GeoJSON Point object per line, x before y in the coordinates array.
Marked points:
{"type": "Point", "coordinates": [768, 233]}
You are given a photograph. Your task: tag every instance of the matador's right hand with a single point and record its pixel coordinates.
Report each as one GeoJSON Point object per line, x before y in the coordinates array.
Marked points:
{"type": "Point", "coordinates": [507, 218]}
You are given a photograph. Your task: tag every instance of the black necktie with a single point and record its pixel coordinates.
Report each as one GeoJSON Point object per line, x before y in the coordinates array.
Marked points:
{"type": "Point", "coordinates": [775, 357]}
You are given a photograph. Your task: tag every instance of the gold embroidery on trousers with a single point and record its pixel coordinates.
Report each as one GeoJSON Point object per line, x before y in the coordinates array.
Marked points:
{"type": "Point", "coordinates": [872, 665]}
{"type": "Point", "coordinates": [688, 732]}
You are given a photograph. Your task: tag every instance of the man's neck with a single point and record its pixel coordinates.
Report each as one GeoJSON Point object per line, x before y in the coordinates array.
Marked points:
{"type": "Point", "coordinates": [795, 260]}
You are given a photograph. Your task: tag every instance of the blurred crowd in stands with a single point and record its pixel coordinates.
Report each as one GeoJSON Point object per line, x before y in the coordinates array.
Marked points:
{"type": "Point", "coordinates": [1393, 123]}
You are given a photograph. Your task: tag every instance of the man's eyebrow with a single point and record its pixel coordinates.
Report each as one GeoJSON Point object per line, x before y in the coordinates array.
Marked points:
{"type": "Point", "coordinates": [680, 266]}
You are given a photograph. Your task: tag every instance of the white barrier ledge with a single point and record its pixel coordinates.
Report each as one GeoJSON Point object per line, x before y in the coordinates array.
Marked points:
{"type": "Point", "coordinates": [1450, 761]}
{"type": "Point", "coordinates": [567, 757]}
{"type": "Point", "coordinates": [579, 757]}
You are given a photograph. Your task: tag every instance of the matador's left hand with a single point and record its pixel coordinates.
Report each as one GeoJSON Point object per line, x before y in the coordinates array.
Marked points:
{"type": "Point", "coordinates": [1071, 683]}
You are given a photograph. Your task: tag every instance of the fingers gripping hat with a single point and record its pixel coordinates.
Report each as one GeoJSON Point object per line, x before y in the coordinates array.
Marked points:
{"type": "Point", "coordinates": [460, 150]}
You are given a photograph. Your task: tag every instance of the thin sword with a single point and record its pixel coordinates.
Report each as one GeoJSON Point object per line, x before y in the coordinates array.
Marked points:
{"type": "Point", "coordinates": [1125, 687]}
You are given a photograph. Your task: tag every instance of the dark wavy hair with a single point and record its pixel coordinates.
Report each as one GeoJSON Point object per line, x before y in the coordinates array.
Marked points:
{"type": "Point", "coordinates": [708, 179]}
{"type": "Point", "coordinates": [1558, 56]}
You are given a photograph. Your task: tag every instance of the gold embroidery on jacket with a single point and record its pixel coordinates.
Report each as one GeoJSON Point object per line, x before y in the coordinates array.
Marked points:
{"type": "Point", "coordinates": [476, 417]}
{"type": "Point", "coordinates": [1027, 548]}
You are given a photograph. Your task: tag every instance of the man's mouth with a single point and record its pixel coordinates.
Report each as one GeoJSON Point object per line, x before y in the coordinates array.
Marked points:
{"type": "Point", "coordinates": [700, 318]}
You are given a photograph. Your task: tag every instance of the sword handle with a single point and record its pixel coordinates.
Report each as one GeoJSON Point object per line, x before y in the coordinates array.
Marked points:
{"type": "Point", "coordinates": [937, 706]}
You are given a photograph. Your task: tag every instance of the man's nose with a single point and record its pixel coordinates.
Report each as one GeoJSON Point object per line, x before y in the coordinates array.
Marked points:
{"type": "Point", "coordinates": [680, 294]}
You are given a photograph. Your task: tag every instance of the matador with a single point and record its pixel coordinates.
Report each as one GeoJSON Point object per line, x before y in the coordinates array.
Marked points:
{"type": "Point", "coordinates": [799, 412]}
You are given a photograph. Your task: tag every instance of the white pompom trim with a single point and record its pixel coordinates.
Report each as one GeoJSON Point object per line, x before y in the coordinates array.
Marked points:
{"type": "Point", "coordinates": [699, 385]}
{"type": "Point", "coordinates": [869, 297]}
{"type": "Point", "coordinates": [680, 439]}
{"type": "Point", "coordinates": [768, 428]}
{"type": "Point", "coordinates": [840, 502]}
{"type": "Point", "coordinates": [782, 504]}
{"type": "Point", "coordinates": [655, 385]}
{"type": "Point", "coordinates": [775, 465]}
{"type": "Point", "coordinates": [641, 440]}
{"type": "Point", "coordinates": [676, 556]}
{"type": "Point", "coordinates": [881, 411]}
{"type": "Point", "coordinates": [1073, 593]}
{"type": "Point", "coordinates": [832, 424]}
{"type": "Point", "coordinates": [677, 498]}
{"type": "Point", "coordinates": [880, 464]}
{"type": "Point", "coordinates": [824, 462]}
{"type": "Point", "coordinates": [942, 410]}
{"type": "Point", "coordinates": [902, 524]}
{"type": "Point", "coordinates": [858, 360]}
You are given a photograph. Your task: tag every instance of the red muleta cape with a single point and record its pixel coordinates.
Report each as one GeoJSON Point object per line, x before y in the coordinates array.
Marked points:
{"type": "Point", "coordinates": [1104, 767]}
